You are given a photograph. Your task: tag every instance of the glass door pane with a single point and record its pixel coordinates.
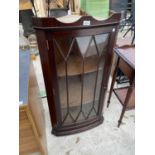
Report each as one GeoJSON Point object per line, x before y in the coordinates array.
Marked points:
{"type": "Point", "coordinates": [80, 65]}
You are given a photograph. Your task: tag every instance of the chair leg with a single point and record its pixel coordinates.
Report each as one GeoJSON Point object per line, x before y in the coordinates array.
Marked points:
{"type": "Point", "coordinates": [126, 32]}
{"type": "Point", "coordinates": [113, 82]}
{"type": "Point", "coordinates": [122, 28]}
{"type": "Point", "coordinates": [123, 25]}
{"type": "Point", "coordinates": [133, 37]}
{"type": "Point", "coordinates": [126, 21]}
{"type": "Point", "coordinates": [131, 32]}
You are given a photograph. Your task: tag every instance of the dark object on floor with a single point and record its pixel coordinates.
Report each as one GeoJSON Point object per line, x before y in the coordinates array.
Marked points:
{"type": "Point", "coordinates": [25, 17]}
{"type": "Point", "coordinates": [125, 62]}
{"type": "Point", "coordinates": [121, 78]}
{"type": "Point", "coordinates": [76, 61]}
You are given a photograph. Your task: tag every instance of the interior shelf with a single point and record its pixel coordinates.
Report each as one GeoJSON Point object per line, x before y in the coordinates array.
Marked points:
{"type": "Point", "coordinates": [75, 89]}
{"type": "Point", "coordinates": [121, 95]}
{"type": "Point", "coordinates": [74, 65]}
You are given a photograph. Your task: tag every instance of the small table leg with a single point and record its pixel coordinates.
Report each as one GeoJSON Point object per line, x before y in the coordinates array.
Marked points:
{"type": "Point", "coordinates": [127, 100]}
{"type": "Point", "coordinates": [113, 82]}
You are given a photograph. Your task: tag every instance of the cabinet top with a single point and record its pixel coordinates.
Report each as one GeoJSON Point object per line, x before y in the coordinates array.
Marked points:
{"type": "Point", "coordinates": [51, 23]}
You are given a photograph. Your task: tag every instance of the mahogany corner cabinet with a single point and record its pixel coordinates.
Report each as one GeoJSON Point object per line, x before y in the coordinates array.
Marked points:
{"type": "Point", "coordinates": [76, 61]}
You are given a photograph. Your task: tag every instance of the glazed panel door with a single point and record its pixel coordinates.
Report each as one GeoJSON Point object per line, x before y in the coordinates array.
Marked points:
{"type": "Point", "coordinates": [80, 68]}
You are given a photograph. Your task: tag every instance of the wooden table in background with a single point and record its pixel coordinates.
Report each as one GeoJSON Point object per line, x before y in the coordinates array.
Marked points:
{"type": "Point", "coordinates": [126, 63]}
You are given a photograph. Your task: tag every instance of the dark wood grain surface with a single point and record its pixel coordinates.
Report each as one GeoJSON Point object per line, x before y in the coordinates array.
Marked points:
{"type": "Point", "coordinates": [127, 53]}
{"type": "Point", "coordinates": [49, 31]}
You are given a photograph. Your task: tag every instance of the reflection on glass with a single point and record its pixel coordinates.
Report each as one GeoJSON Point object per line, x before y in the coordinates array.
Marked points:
{"type": "Point", "coordinates": [80, 66]}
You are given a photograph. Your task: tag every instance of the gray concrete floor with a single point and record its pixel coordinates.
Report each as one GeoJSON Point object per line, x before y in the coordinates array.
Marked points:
{"type": "Point", "coordinates": [105, 139]}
